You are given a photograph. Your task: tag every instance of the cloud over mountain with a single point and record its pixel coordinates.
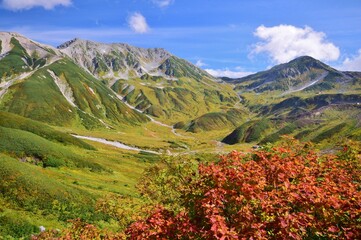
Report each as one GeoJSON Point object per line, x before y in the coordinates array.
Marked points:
{"type": "Point", "coordinates": [227, 73]}
{"type": "Point", "coordinates": [200, 63]}
{"type": "Point", "coordinates": [286, 42]}
{"type": "Point", "coordinates": [16, 5]}
{"type": "Point", "coordinates": [352, 64]}
{"type": "Point", "coordinates": [138, 23]}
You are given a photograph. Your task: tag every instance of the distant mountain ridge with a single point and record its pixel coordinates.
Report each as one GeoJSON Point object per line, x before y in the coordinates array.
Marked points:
{"type": "Point", "coordinates": [302, 73]}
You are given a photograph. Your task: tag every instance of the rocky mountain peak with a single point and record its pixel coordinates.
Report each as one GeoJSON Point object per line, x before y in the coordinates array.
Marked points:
{"type": "Point", "coordinates": [68, 43]}
{"type": "Point", "coordinates": [10, 39]}
{"type": "Point", "coordinates": [118, 60]}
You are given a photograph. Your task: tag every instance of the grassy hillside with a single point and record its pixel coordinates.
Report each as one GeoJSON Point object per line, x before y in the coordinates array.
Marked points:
{"type": "Point", "coordinates": [29, 193]}
{"type": "Point", "coordinates": [317, 118]}
{"type": "Point", "coordinates": [44, 183]}
{"type": "Point", "coordinates": [216, 121]}
{"type": "Point", "coordinates": [10, 120]}
{"type": "Point", "coordinates": [251, 131]}
{"type": "Point", "coordinates": [37, 150]}
{"type": "Point", "coordinates": [175, 100]}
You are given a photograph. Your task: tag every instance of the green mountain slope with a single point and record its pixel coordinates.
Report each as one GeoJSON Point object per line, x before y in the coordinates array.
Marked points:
{"type": "Point", "coordinates": [57, 91]}
{"type": "Point", "coordinates": [33, 148]}
{"type": "Point", "coordinates": [16, 58]}
{"type": "Point", "coordinates": [175, 100]}
{"type": "Point", "coordinates": [251, 131]}
{"type": "Point", "coordinates": [228, 118]}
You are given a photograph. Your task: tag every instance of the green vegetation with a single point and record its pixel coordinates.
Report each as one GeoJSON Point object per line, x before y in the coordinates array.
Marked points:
{"type": "Point", "coordinates": [49, 105]}
{"type": "Point", "coordinates": [18, 61]}
{"type": "Point", "coordinates": [36, 193]}
{"type": "Point", "coordinates": [328, 134]}
{"type": "Point", "coordinates": [251, 131]}
{"type": "Point", "coordinates": [180, 68]}
{"type": "Point", "coordinates": [216, 121]}
{"type": "Point", "coordinates": [274, 137]}
{"type": "Point", "coordinates": [33, 196]}
{"type": "Point", "coordinates": [93, 97]}
{"type": "Point", "coordinates": [10, 120]}
{"type": "Point", "coordinates": [27, 145]}
{"type": "Point", "coordinates": [175, 100]}
{"type": "Point", "coordinates": [12, 63]}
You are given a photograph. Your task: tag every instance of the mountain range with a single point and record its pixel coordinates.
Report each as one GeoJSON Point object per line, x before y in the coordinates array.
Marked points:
{"type": "Point", "coordinates": [80, 123]}
{"type": "Point", "coordinates": [95, 85]}
{"type": "Point", "coordinates": [88, 83]}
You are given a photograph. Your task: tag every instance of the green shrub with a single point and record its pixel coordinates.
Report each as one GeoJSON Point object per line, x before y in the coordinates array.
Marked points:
{"type": "Point", "coordinates": [54, 162]}
{"type": "Point", "coordinates": [16, 226]}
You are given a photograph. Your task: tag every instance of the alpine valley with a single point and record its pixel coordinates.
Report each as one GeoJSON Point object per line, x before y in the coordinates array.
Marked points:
{"type": "Point", "coordinates": [81, 122]}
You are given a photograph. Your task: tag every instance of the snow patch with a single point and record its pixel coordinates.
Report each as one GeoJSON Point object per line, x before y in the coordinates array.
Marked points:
{"type": "Point", "coordinates": [319, 78]}
{"type": "Point", "coordinates": [114, 143]}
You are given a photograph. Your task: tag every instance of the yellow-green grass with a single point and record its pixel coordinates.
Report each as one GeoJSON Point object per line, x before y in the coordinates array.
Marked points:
{"type": "Point", "coordinates": [10, 120]}
{"type": "Point", "coordinates": [176, 100]}
{"type": "Point", "coordinates": [49, 196]}
{"type": "Point", "coordinates": [31, 147]}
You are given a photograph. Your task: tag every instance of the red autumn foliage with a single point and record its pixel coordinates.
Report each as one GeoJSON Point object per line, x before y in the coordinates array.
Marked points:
{"type": "Point", "coordinates": [279, 193]}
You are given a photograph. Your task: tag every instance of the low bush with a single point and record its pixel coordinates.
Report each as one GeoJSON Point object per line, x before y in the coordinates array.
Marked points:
{"type": "Point", "coordinates": [284, 192]}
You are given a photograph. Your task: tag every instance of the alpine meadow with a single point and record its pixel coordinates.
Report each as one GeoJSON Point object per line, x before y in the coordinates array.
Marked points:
{"type": "Point", "coordinates": [169, 119]}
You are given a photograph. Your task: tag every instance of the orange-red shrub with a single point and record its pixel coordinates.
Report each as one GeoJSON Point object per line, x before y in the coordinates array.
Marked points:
{"type": "Point", "coordinates": [280, 193]}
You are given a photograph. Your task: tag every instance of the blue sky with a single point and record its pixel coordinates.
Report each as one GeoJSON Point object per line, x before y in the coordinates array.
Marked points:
{"type": "Point", "coordinates": [226, 37]}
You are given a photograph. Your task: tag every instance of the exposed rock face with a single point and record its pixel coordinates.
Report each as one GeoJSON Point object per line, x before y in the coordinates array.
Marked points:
{"type": "Point", "coordinates": [64, 88]}
{"type": "Point", "coordinates": [117, 60]}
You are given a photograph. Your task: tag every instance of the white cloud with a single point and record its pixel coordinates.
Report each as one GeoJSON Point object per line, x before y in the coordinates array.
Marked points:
{"type": "Point", "coordinates": [16, 5]}
{"type": "Point", "coordinates": [162, 3]}
{"type": "Point", "coordinates": [352, 64]}
{"type": "Point", "coordinates": [286, 42]}
{"type": "Point", "coordinates": [200, 63]}
{"type": "Point", "coordinates": [138, 23]}
{"type": "Point", "coordinates": [227, 73]}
